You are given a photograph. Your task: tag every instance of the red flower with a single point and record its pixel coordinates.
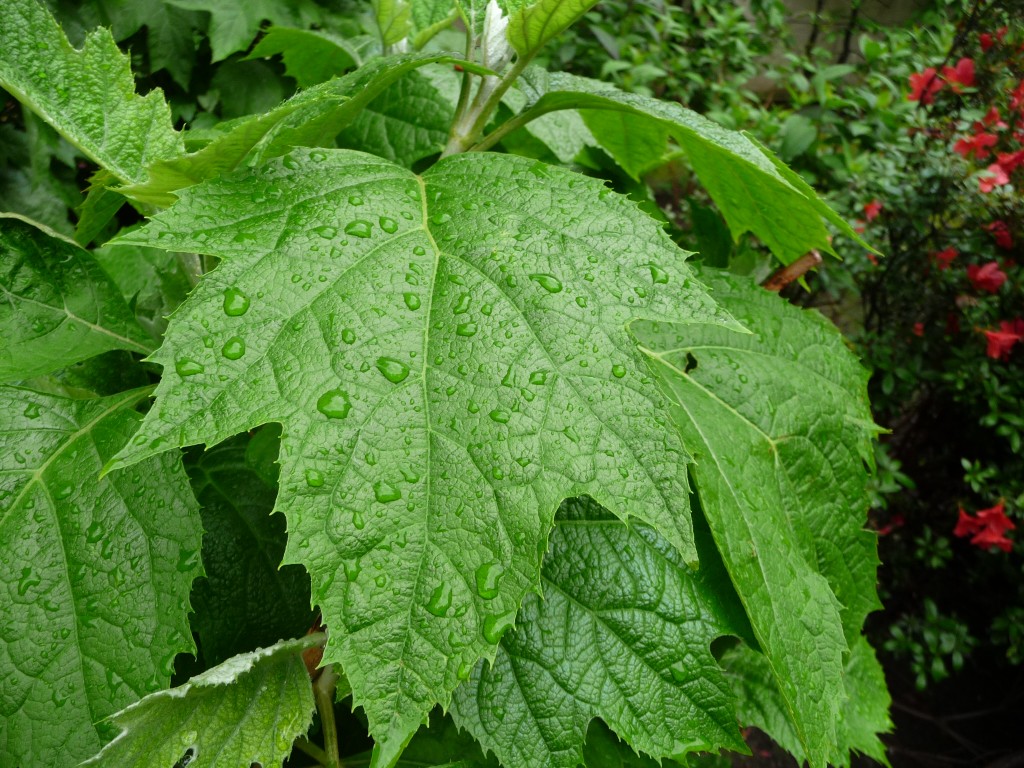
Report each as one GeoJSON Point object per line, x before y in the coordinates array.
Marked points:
{"type": "Point", "coordinates": [1000, 344]}
{"type": "Point", "coordinates": [1000, 230]}
{"type": "Point", "coordinates": [988, 528]}
{"type": "Point", "coordinates": [987, 277]}
{"type": "Point", "coordinates": [960, 75]}
{"type": "Point", "coordinates": [997, 177]}
{"type": "Point", "coordinates": [872, 209]}
{"type": "Point", "coordinates": [986, 41]}
{"type": "Point", "coordinates": [1016, 96]}
{"type": "Point", "coordinates": [918, 329]}
{"type": "Point", "coordinates": [966, 525]}
{"type": "Point", "coordinates": [977, 145]}
{"type": "Point", "coordinates": [992, 119]}
{"type": "Point", "coordinates": [924, 85]}
{"type": "Point", "coordinates": [945, 257]}
{"type": "Point", "coordinates": [1010, 161]}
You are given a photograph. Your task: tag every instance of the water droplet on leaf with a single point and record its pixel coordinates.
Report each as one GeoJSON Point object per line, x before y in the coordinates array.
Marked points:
{"type": "Point", "coordinates": [488, 580]}
{"type": "Point", "coordinates": [234, 348]}
{"type": "Point", "coordinates": [440, 600]}
{"type": "Point", "coordinates": [549, 283]}
{"type": "Point", "coordinates": [359, 228]}
{"type": "Point", "coordinates": [495, 626]}
{"type": "Point", "coordinates": [187, 367]}
{"type": "Point", "coordinates": [385, 493]}
{"type": "Point", "coordinates": [393, 370]}
{"type": "Point", "coordinates": [334, 404]}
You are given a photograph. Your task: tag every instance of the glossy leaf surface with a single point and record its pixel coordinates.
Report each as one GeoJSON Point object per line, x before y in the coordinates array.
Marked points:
{"type": "Point", "coordinates": [96, 573]}
{"type": "Point", "coordinates": [449, 357]}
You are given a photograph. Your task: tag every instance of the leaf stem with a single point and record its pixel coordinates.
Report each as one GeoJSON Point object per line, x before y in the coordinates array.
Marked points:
{"type": "Point", "coordinates": [323, 693]}
{"type": "Point", "coordinates": [305, 745]}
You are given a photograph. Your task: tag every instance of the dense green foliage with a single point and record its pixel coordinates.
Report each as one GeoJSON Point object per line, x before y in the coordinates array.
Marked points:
{"type": "Point", "coordinates": [536, 466]}
{"type": "Point", "coordinates": [930, 165]}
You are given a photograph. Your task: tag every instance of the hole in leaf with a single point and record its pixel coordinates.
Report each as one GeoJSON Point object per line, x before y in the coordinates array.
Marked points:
{"type": "Point", "coordinates": [691, 363]}
{"type": "Point", "coordinates": [188, 757]}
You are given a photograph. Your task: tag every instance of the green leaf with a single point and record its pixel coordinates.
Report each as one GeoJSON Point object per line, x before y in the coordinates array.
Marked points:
{"type": "Point", "coordinates": [95, 577]}
{"type": "Point", "coordinates": [99, 208]}
{"type": "Point", "coordinates": [532, 25]}
{"type": "Point", "coordinates": [88, 96]}
{"type": "Point", "coordinates": [407, 122]}
{"type": "Point", "coordinates": [235, 23]}
{"type": "Point", "coordinates": [393, 20]}
{"type": "Point", "coordinates": [636, 142]}
{"type": "Point", "coordinates": [248, 710]}
{"type": "Point", "coordinates": [170, 37]}
{"type": "Point", "coordinates": [310, 56]}
{"type": "Point", "coordinates": [312, 118]}
{"type": "Point", "coordinates": [59, 306]}
{"type": "Point", "coordinates": [246, 600]}
{"type": "Point", "coordinates": [779, 424]}
{"type": "Point", "coordinates": [447, 368]}
{"type": "Point", "coordinates": [753, 189]}
{"type": "Point", "coordinates": [622, 632]}
{"type": "Point", "coordinates": [427, 14]}
{"type": "Point", "coordinates": [864, 713]}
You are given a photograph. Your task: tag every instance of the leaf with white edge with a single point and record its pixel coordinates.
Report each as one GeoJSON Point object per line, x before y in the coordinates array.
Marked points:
{"type": "Point", "coordinates": [96, 573]}
{"type": "Point", "coordinates": [246, 599]}
{"type": "Point", "coordinates": [88, 96]}
{"type": "Point", "coordinates": [310, 56]}
{"type": "Point", "coordinates": [623, 633]}
{"type": "Point", "coordinates": [59, 307]}
{"type": "Point", "coordinates": [864, 713]}
{"type": "Point", "coordinates": [532, 25]}
{"type": "Point", "coordinates": [312, 118]}
{"type": "Point", "coordinates": [449, 357]}
{"type": "Point", "coordinates": [407, 122]}
{"type": "Point", "coordinates": [248, 710]}
{"type": "Point", "coordinates": [780, 428]}
{"type": "Point", "coordinates": [754, 190]}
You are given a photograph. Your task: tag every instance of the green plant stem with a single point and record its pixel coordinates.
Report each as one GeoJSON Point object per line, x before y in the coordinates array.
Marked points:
{"type": "Point", "coordinates": [480, 111]}
{"type": "Point", "coordinates": [305, 745]}
{"type": "Point", "coordinates": [323, 693]}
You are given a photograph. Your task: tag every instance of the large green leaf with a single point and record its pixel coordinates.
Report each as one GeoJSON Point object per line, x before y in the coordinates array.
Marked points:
{"type": "Point", "coordinates": [754, 191]}
{"type": "Point", "coordinates": [449, 357]}
{"type": "Point", "coordinates": [88, 96]}
{"type": "Point", "coordinates": [95, 576]}
{"type": "Point", "coordinates": [780, 428]}
{"type": "Point", "coordinates": [864, 713]}
{"type": "Point", "coordinates": [247, 711]}
{"type": "Point", "coordinates": [622, 632]}
{"type": "Point", "coordinates": [246, 600]}
{"type": "Point", "coordinates": [58, 307]}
